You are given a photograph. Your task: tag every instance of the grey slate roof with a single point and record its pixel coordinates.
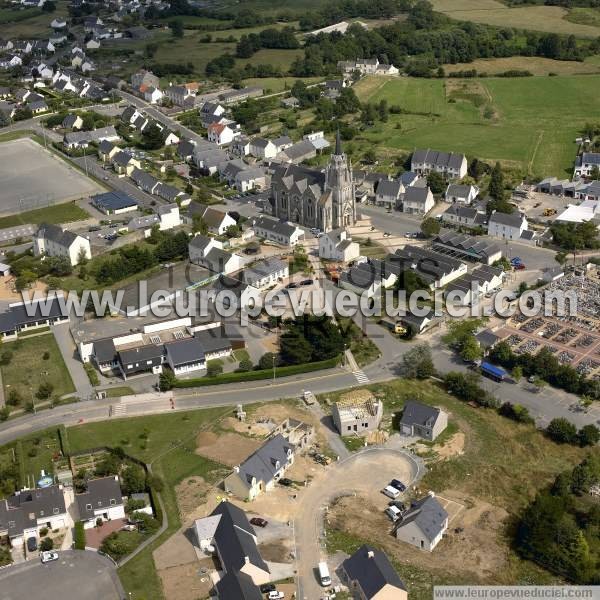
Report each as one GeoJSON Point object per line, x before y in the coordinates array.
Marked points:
{"type": "Point", "coordinates": [511, 220]}
{"type": "Point", "coordinates": [429, 516]}
{"type": "Point", "coordinates": [114, 200]}
{"type": "Point", "coordinates": [16, 316]}
{"type": "Point", "coordinates": [451, 160]}
{"type": "Point", "coordinates": [237, 586]}
{"type": "Point", "coordinates": [104, 351]}
{"type": "Point", "coordinates": [261, 465]}
{"type": "Point", "coordinates": [56, 234]}
{"type": "Point", "coordinates": [416, 413]}
{"type": "Point", "coordinates": [101, 493]}
{"type": "Point", "coordinates": [200, 242]}
{"type": "Point", "coordinates": [279, 227]}
{"type": "Point", "coordinates": [34, 504]}
{"type": "Point", "coordinates": [263, 268]}
{"type": "Point", "coordinates": [213, 340]}
{"type": "Point", "coordinates": [185, 351]}
{"type": "Point", "coordinates": [459, 190]}
{"type": "Point", "coordinates": [389, 188]}
{"type": "Point", "coordinates": [416, 194]}
{"type": "Point", "coordinates": [372, 570]}
{"type": "Point", "coordinates": [141, 354]}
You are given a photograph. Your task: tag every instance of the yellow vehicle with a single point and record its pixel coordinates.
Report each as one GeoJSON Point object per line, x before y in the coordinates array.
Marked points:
{"type": "Point", "coordinates": [549, 212]}
{"type": "Point", "coordinates": [399, 328]}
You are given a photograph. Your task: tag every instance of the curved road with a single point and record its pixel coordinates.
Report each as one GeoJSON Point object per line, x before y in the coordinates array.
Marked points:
{"type": "Point", "coordinates": [365, 473]}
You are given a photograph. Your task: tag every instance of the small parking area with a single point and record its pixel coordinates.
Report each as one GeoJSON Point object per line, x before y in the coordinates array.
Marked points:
{"type": "Point", "coordinates": [95, 535]}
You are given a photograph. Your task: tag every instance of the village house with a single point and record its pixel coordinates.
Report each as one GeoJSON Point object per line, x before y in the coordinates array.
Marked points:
{"type": "Point", "coordinates": [102, 501]}
{"type": "Point", "coordinates": [423, 524]}
{"type": "Point", "coordinates": [337, 245]}
{"type": "Point", "coordinates": [266, 273]}
{"type": "Point", "coordinates": [463, 194]}
{"type": "Point", "coordinates": [507, 226]}
{"type": "Point", "coordinates": [220, 134]}
{"type": "Point", "coordinates": [286, 234]}
{"type": "Point", "coordinates": [52, 240]}
{"type": "Point", "coordinates": [417, 200]}
{"type": "Point", "coordinates": [423, 421]}
{"type": "Point", "coordinates": [448, 164]}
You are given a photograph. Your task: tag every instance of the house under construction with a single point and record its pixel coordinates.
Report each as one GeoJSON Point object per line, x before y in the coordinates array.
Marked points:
{"type": "Point", "coordinates": [357, 412]}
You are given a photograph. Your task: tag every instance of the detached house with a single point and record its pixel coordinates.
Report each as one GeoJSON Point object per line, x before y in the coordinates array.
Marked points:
{"type": "Point", "coordinates": [266, 272]}
{"type": "Point", "coordinates": [422, 420]}
{"type": "Point", "coordinates": [338, 245]}
{"type": "Point", "coordinates": [507, 227]}
{"type": "Point", "coordinates": [260, 471]}
{"type": "Point", "coordinates": [423, 524]}
{"type": "Point", "coordinates": [417, 200]}
{"type": "Point", "coordinates": [72, 121]}
{"type": "Point", "coordinates": [371, 576]}
{"type": "Point", "coordinates": [286, 234]}
{"type": "Point", "coordinates": [102, 500]}
{"type": "Point", "coordinates": [585, 164]}
{"type": "Point", "coordinates": [463, 194]}
{"type": "Point", "coordinates": [52, 240]}
{"type": "Point", "coordinates": [220, 134]}
{"type": "Point", "coordinates": [124, 164]}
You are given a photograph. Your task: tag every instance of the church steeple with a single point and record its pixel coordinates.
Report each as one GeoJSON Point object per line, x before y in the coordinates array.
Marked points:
{"type": "Point", "coordinates": [338, 143]}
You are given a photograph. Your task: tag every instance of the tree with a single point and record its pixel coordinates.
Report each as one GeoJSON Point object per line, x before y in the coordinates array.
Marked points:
{"type": "Point", "coordinates": [4, 413]}
{"type": "Point", "coordinates": [177, 28]}
{"type": "Point", "coordinates": [14, 397]}
{"type": "Point", "coordinates": [560, 258]}
{"type": "Point", "coordinates": [46, 544]}
{"type": "Point", "coordinates": [49, 6]}
{"type": "Point", "coordinates": [369, 156]}
{"type": "Point", "coordinates": [430, 227]}
{"type": "Point", "coordinates": [517, 373]}
{"type": "Point", "coordinates": [417, 363]}
{"type": "Point", "coordinates": [436, 182]}
{"type": "Point", "coordinates": [199, 225]}
{"type": "Point", "coordinates": [588, 435]}
{"type": "Point", "coordinates": [561, 431]}
{"type": "Point", "coordinates": [245, 365]}
{"type": "Point", "coordinates": [214, 368]}
{"type": "Point", "coordinates": [45, 390]}
{"type": "Point", "coordinates": [134, 479]}
{"type": "Point", "coordinates": [166, 380]}
{"type": "Point", "coordinates": [470, 350]}
{"type": "Point", "coordinates": [267, 360]}
{"type": "Point", "coordinates": [496, 187]}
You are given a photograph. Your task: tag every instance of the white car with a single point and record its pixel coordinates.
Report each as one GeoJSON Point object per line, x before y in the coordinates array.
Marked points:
{"type": "Point", "coordinates": [48, 556]}
{"type": "Point", "coordinates": [390, 492]}
{"type": "Point", "coordinates": [393, 512]}
{"type": "Point", "coordinates": [275, 595]}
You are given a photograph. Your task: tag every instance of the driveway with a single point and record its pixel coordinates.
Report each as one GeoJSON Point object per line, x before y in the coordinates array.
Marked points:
{"type": "Point", "coordinates": [363, 473]}
{"type": "Point", "coordinates": [77, 574]}
{"type": "Point", "coordinates": [65, 342]}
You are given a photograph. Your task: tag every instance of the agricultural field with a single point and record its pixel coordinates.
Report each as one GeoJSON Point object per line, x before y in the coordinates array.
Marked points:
{"type": "Point", "coordinates": [273, 57]}
{"type": "Point", "coordinates": [493, 118]}
{"type": "Point", "coordinates": [29, 23]}
{"type": "Point", "coordinates": [535, 65]}
{"type": "Point", "coordinates": [552, 19]}
{"type": "Point", "coordinates": [280, 84]}
{"type": "Point", "coordinates": [584, 16]}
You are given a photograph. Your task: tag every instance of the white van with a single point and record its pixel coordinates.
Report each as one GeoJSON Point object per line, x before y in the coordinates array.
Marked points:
{"type": "Point", "coordinates": [391, 492]}
{"type": "Point", "coordinates": [324, 576]}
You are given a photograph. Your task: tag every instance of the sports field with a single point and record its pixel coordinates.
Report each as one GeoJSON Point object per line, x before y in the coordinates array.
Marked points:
{"type": "Point", "coordinates": [34, 178]}
{"type": "Point", "coordinates": [551, 19]}
{"type": "Point", "coordinates": [529, 122]}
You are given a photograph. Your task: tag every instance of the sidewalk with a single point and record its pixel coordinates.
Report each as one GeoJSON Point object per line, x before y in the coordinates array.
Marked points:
{"type": "Point", "coordinates": [82, 384]}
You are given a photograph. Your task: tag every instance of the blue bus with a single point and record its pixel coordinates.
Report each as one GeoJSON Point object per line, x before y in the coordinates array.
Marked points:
{"type": "Point", "coordinates": [492, 371]}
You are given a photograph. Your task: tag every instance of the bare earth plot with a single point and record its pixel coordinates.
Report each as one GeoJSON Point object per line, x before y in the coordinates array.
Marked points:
{"type": "Point", "coordinates": [31, 177]}
{"type": "Point", "coordinates": [540, 18]}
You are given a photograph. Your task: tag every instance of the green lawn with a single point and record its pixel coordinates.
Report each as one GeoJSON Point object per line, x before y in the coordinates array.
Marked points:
{"type": "Point", "coordinates": [534, 124]}
{"type": "Point", "coordinates": [28, 368]}
{"type": "Point", "coordinates": [57, 213]}
{"type": "Point", "coordinates": [278, 84]}
{"type": "Point", "coordinates": [273, 57]}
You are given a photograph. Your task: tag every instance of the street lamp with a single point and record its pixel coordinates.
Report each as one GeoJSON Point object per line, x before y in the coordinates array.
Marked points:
{"type": "Point", "coordinates": [273, 368]}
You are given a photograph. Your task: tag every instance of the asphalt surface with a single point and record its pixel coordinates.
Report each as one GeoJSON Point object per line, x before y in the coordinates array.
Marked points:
{"type": "Point", "coordinates": [76, 574]}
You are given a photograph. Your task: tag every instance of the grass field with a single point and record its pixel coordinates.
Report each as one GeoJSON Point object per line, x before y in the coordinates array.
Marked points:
{"type": "Point", "coordinates": [37, 25]}
{"type": "Point", "coordinates": [28, 368]}
{"type": "Point", "coordinates": [551, 19]}
{"type": "Point", "coordinates": [584, 16]}
{"type": "Point", "coordinates": [275, 58]}
{"type": "Point", "coordinates": [280, 84]}
{"type": "Point", "coordinates": [59, 213]}
{"type": "Point", "coordinates": [533, 64]}
{"type": "Point", "coordinates": [532, 122]}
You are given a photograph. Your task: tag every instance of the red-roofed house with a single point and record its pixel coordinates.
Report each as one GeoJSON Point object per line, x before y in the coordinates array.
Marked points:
{"type": "Point", "coordinates": [220, 134]}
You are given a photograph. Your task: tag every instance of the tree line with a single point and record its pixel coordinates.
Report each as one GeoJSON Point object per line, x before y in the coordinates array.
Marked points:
{"type": "Point", "coordinates": [268, 38]}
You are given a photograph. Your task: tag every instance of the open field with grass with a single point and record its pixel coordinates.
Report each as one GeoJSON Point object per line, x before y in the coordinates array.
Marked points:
{"type": "Point", "coordinates": [584, 16]}
{"type": "Point", "coordinates": [533, 64]}
{"type": "Point", "coordinates": [59, 213]}
{"type": "Point", "coordinates": [551, 19]}
{"type": "Point", "coordinates": [35, 360]}
{"type": "Point", "coordinates": [273, 57]}
{"type": "Point", "coordinates": [280, 84]}
{"type": "Point", "coordinates": [32, 23]}
{"type": "Point", "coordinates": [238, 33]}
{"type": "Point", "coordinates": [521, 122]}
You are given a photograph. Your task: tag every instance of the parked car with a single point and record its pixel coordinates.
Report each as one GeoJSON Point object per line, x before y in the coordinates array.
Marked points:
{"type": "Point", "coordinates": [275, 595]}
{"type": "Point", "coordinates": [31, 544]}
{"type": "Point", "coordinates": [390, 492]}
{"type": "Point", "coordinates": [393, 512]}
{"type": "Point", "coordinates": [306, 282]}
{"type": "Point", "coordinates": [285, 481]}
{"type": "Point", "coordinates": [398, 485]}
{"type": "Point", "coordinates": [48, 556]}
{"type": "Point", "coordinates": [265, 588]}
{"type": "Point", "coordinates": [258, 521]}
{"type": "Point", "coordinates": [397, 504]}
{"type": "Point", "coordinates": [519, 267]}
{"type": "Point", "coordinates": [386, 234]}
{"type": "Point", "coordinates": [291, 285]}
{"type": "Point", "coordinates": [128, 527]}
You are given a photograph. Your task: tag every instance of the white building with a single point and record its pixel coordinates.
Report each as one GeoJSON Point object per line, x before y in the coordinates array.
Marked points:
{"type": "Point", "coordinates": [338, 245]}
{"type": "Point", "coordinates": [51, 240]}
{"type": "Point", "coordinates": [103, 500]}
{"type": "Point", "coordinates": [220, 134]}
{"type": "Point", "coordinates": [266, 273]}
{"type": "Point", "coordinates": [169, 216]}
{"type": "Point", "coordinates": [586, 163]}
{"type": "Point", "coordinates": [449, 164]}
{"type": "Point", "coordinates": [423, 524]}
{"type": "Point", "coordinates": [462, 194]}
{"type": "Point", "coordinates": [286, 234]}
{"type": "Point", "coordinates": [507, 227]}
{"type": "Point", "coordinates": [417, 200]}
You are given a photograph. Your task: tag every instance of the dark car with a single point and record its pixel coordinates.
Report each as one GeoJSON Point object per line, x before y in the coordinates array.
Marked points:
{"type": "Point", "coordinates": [306, 282]}
{"type": "Point", "coordinates": [31, 544]}
{"type": "Point", "coordinates": [285, 481]}
{"type": "Point", "coordinates": [292, 285]}
{"type": "Point", "coordinates": [258, 522]}
{"type": "Point", "coordinates": [265, 588]}
{"type": "Point", "coordinates": [398, 485]}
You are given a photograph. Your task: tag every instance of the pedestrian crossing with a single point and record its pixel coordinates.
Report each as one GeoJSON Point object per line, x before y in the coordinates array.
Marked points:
{"type": "Point", "coordinates": [119, 409]}
{"type": "Point", "coordinates": [360, 376]}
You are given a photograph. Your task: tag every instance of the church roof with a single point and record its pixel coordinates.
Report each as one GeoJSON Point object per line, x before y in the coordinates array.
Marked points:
{"type": "Point", "coordinates": [289, 174]}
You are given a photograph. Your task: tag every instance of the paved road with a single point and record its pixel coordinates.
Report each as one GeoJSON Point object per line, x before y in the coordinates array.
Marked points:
{"type": "Point", "coordinates": [64, 340]}
{"type": "Point", "coordinates": [77, 574]}
{"type": "Point", "coordinates": [364, 473]}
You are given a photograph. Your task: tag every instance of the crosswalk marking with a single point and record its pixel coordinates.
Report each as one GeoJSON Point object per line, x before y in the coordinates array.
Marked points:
{"type": "Point", "coordinates": [119, 409]}
{"type": "Point", "coordinates": [360, 376]}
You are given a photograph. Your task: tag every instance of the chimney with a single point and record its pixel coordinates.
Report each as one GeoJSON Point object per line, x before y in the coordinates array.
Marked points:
{"type": "Point", "coordinates": [371, 554]}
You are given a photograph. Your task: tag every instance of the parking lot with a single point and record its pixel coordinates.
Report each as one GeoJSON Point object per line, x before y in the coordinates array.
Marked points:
{"type": "Point", "coordinates": [76, 574]}
{"type": "Point", "coordinates": [34, 178]}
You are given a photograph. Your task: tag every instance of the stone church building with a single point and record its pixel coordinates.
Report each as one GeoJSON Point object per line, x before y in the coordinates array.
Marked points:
{"type": "Point", "coordinates": [312, 198]}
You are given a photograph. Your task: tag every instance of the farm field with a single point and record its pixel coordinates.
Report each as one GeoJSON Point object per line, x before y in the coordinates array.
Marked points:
{"type": "Point", "coordinates": [280, 84]}
{"type": "Point", "coordinates": [533, 64]}
{"type": "Point", "coordinates": [493, 118]}
{"type": "Point", "coordinates": [273, 57]}
{"type": "Point", "coordinates": [551, 19]}
{"type": "Point", "coordinates": [30, 22]}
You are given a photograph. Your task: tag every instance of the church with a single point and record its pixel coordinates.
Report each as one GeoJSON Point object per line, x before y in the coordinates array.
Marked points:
{"type": "Point", "coordinates": [321, 199]}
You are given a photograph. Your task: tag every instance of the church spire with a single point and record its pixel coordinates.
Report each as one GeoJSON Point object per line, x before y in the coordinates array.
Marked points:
{"type": "Point", "coordinates": [338, 143]}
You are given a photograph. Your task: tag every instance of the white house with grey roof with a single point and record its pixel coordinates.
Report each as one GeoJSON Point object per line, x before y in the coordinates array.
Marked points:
{"type": "Point", "coordinates": [586, 163]}
{"type": "Point", "coordinates": [462, 194]}
{"type": "Point", "coordinates": [227, 533]}
{"type": "Point", "coordinates": [52, 240]}
{"type": "Point", "coordinates": [423, 524]}
{"type": "Point", "coordinates": [423, 421]}
{"type": "Point", "coordinates": [103, 500]}
{"type": "Point", "coordinates": [370, 576]}
{"type": "Point", "coordinates": [261, 470]}
{"type": "Point", "coordinates": [266, 273]}
{"type": "Point", "coordinates": [388, 192]}
{"type": "Point", "coordinates": [460, 214]}
{"type": "Point", "coordinates": [417, 200]}
{"type": "Point", "coordinates": [507, 226]}
{"type": "Point", "coordinates": [280, 232]}
{"type": "Point", "coordinates": [185, 355]}
{"type": "Point", "coordinates": [337, 245]}
{"type": "Point", "coordinates": [450, 164]}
